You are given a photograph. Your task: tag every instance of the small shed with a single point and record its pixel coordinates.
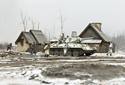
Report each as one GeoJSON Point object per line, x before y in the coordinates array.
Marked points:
{"type": "Point", "coordinates": [40, 39]}
{"type": "Point", "coordinates": [28, 39]}
{"type": "Point", "coordinates": [96, 37]}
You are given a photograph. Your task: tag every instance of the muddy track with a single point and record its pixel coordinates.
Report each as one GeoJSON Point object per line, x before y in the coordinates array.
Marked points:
{"type": "Point", "coordinates": [35, 60]}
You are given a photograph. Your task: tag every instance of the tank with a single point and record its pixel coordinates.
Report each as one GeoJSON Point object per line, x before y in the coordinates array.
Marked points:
{"type": "Point", "coordinates": [71, 46]}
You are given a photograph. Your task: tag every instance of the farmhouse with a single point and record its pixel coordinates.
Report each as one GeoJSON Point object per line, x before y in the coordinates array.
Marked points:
{"type": "Point", "coordinates": [26, 40]}
{"type": "Point", "coordinates": [95, 37]}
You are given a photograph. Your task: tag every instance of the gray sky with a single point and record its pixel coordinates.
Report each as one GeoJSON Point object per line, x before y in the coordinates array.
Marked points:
{"type": "Point", "coordinates": [76, 13]}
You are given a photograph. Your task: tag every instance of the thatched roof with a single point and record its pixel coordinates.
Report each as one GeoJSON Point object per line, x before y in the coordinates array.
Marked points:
{"type": "Point", "coordinates": [29, 38]}
{"type": "Point", "coordinates": [33, 36]}
{"type": "Point", "coordinates": [98, 31]}
{"type": "Point", "coordinates": [39, 36]}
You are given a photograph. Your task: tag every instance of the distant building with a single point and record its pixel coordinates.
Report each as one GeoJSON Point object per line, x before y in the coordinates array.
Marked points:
{"type": "Point", "coordinates": [34, 39]}
{"type": "Point", "coordinates": [94, 36]}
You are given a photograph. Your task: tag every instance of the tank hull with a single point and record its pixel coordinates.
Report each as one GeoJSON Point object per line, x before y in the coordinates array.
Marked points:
{"type": "Point", "coordinates": [70, 52]}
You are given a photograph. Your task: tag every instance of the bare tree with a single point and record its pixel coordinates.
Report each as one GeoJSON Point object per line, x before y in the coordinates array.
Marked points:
{"type": "Point", "coordinates": [38, 25]}
{"type": "Point", "coordinates": [33, 24]}
{"type": "Point", "coordinates": [29, 21]}
{"type": "Point", "coordinates": [119, 40]}
{"type": "Point", "coordinates": [3, 45]}
{"type": "Point", "coordinates": [24, 21]}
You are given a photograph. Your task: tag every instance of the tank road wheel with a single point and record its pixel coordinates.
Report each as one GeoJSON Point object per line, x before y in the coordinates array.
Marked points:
{"type": "Point", "coordinates": [75, 53]}
{"type": "Point", "coordinates": [55, 52]}
{"type": "Point", "coordinates": [88, 54]}
{"type": "Point", "coordinates": [81, 53]}
{"type": "Point", "coordinates": [51, 52]}
{"type": "Point", "coordinates": [69, 53]}
{"type": "Point", "coordinates": [58, 52]}
{"type": "Point", "coordinates": [61, 53]}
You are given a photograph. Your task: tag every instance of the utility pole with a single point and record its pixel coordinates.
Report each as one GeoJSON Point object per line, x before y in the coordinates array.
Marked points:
{"type": "Point", "coordinates": [62, 26]}
{"type": "Point", "coordinates": [61, 19]}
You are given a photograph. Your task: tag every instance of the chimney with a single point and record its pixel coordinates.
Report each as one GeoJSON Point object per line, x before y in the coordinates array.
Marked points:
{"type": "Point", "coordinates": [98, 25]}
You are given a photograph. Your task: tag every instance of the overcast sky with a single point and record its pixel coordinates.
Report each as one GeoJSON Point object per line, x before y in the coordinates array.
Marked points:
{"type": "Point", "coordinates": [76, 14]}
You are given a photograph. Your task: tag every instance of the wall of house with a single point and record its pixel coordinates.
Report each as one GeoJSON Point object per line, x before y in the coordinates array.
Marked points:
{"type": "Point", "coordinates": [40, 48]}
{"type": "Point", "coordinates": [95, 45]}
{"type": "Point", "coordinates": [114, 47]}
{"type": "Point", "coordinates": [22, 48]}
{"type": "Point", "coordinates": [104, 47]}
{"type": "Point", "coordinates": [101, 48]}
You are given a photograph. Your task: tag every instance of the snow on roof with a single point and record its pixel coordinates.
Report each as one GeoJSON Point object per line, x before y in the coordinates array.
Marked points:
{"type": "Point", "coordinates": [54, 40]}
{"type": "Point", "coordinates": [91, 41]}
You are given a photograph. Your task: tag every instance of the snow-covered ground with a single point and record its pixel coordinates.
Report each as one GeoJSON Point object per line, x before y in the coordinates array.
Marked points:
{"type": "Point", "coordinates": [119, 54]}
{"type": "Point", "coordinates": [116, 54]}
{"type": "Point", "coordinates": [30, 76]}
{"type": "Point", "coordinates": [25, 74]}
{"type": "Point", "coordinates": [33, 76]}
